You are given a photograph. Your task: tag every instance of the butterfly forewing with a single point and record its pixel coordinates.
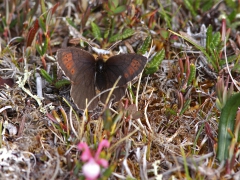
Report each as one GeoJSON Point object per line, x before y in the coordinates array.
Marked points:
{"type": "Point", "coordinates": [79, 66]}
{"type": "Point", "coordinates": [75, 62]}
{"type": "Point", "coordinates": [126, 66]}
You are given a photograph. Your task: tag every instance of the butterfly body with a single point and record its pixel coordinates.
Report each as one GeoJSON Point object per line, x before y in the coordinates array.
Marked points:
{"type": "Point", "coordinates": [100, 67]}
{"type": "Point", "coordinates": [85, 73]}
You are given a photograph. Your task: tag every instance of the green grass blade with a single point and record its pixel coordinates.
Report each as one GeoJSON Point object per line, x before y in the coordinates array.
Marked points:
{"type": "Point", "coordinates": [227, 121]}
{"type": "Point", "coordinates": [46, 76]}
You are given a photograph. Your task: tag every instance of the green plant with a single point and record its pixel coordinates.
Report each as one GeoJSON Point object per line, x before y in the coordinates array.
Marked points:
{"type": "Point", "coordinates": [223, 92]}
{"type": "Point", "coordinates": [61, 126]}
{"type": "Point", "coordinates": [52, 80]}
{"type": "Point", "coordinates": [226, 126]}
{"type": "Point", "coordinates": [194, 6]}
{"type": "Point", "coordinates": [213, 47]}
{"type": "Point", "coordinates": [40, 33]}
{"type": "Point", "coordinates": [114, 7]}
{"type": "Point", "coordinates": [153, 65]}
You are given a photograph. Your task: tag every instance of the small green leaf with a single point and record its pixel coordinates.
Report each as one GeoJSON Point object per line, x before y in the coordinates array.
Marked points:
{"type": "Point", "coordinates": [216, 39]}
{"type": "Point", "coordinates": [43, 8]}
{"type": "Point", "coordinates": [48, 18]}
{"type": "Point", "coordinates": [236, 68]}
{"type": "Point", "coordinates": [127, 33]}
{"type": "Point", "coordinates": [46, 76]}
{"type": "Point", "coordinates": [219, 104]}
{"type": "Point", "coordinates": [107, 120]}
{"type": "Point", "coordinates": [13, 23]}
{"type": "Point", "coordinates": [96, 31]}
{"type": "Point", "coordinates": [214, 54]}
{"type": "Point", "coordinates": [108, 27]}
{"type": "Point", "coordinates": [231, 3]}
{"type": "Point", "coordinates": [115, 38]}
{"type": "Point", "coordinates": [227, 121]}
{"type": "Point", "coordinates": [150, 70]}
{"type": "Point", "coordinates": [165, 15]}
{"type": "Point", "coordinates": [164, 34]}
{"type": "Point", "coordinates": [209, 37]}
{"type": "Point", "coordinates": [39, 49]}
{"type": "Point", "coordinates": [145, 46]}
{"type": "Point", "coordinates": [108, 172]}
{"type": "Point", "coordinates": [4, 21]}
{"type": "Point", "coordinates": [153, 65]}
{"type": "Point", "coordinates": [119, 9]}
{"type": "Point", "coordinates": [17, 39]}
{"type": "Point", "coordinates": [113, 3]}
{"type": "Point", "coordinates": [45, 45]}
{"type": "Point", "coordinates": [190, 7]}
{"type": "Point", "coordinates": [207, 6]}
{"type": "Point", "coordinates": [197, 4]}
{"type": "Point", "coordinates": [192, 74]}
{"type": "Point", "coordinates": [62, 83]}
{"type": "Point", "coordinates": [42, 24]}
{"type": "Point", "coordinates": [185, 106]}
{"type": "Point", "coordinates": [70, 22]}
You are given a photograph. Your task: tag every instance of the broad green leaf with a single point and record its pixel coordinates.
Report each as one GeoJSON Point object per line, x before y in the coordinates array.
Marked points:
{"type": "Point", "coordinates": [227, 122]}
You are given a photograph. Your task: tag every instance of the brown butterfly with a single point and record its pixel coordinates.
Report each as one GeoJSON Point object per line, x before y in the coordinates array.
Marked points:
{"type": "Point", "coordinates": [86, 73]}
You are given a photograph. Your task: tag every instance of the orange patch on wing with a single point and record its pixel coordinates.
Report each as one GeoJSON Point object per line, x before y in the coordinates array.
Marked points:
{"type": "Point", "coordinates": [68, 62]}
{"type": "Point", "coordinates": [132, 69]}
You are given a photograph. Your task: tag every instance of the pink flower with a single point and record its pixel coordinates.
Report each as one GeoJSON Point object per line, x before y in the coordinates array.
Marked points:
{"type": "Point", "coordinates": [91, 169]}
